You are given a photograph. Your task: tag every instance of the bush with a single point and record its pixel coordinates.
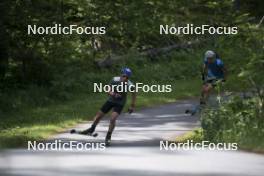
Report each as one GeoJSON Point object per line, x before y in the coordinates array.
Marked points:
{"type": "Point", "coordinates": [236, 121]}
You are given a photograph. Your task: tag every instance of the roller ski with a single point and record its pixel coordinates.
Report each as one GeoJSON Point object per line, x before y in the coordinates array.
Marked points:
{"type": "Point", "coordinates": [194, 110]}
{"type": "Point", "coordinates": [88, 132]}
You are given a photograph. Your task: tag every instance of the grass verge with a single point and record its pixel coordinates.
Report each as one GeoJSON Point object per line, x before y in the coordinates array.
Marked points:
{"type": "Point", "coordinates": [38, 123]}
{"type": "Point", "coordinates": [195, 135]}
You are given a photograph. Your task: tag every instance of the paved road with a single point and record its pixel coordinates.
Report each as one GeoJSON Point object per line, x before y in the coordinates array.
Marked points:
{"type": "Point", "coordinates": [135, 151]}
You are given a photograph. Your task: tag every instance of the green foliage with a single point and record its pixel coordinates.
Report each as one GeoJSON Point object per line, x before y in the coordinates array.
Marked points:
{"type": "Point", "coordinates": [46, 60]}
{"type": "Point", "coordinates": [41, 70]}
{"type": "Point", "coordinates": [237, 121]}
{"type": "Point", "coordinates": [40, 59]}
{"type": "Point", "coordinates": [77, 79]}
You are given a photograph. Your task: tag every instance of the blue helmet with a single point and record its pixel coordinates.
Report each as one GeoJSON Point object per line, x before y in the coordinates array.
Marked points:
{"type": "Point", "coordinates": [126, 71]}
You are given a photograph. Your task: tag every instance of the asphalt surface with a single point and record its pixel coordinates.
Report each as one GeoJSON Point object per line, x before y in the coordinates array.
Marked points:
{"type": "Point", "coordinates": [135, 150]}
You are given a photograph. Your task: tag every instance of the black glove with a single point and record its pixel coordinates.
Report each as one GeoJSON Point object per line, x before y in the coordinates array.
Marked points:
{"type": "Point", "coordinates": [203, 77]}
{"type": "Point", "coordinates": [130, 110]}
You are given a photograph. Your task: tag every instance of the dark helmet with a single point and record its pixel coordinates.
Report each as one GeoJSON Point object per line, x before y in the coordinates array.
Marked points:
{"type": "Point", "coordinates": [126, 71]}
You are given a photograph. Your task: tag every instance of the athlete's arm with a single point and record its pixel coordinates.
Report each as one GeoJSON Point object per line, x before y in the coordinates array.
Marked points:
{"type": "Point", "coordinates": [204, 71]}
{"type": "Point", "coordinates": [133, 102]}
{"type": "Point", "coordinates": [223, 70]}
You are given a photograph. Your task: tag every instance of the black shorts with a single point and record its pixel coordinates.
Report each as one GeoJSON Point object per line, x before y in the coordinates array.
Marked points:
{"type": "Point", "coordinates": [109, 105]}
{"type": "Point", "coordinates": [213, 82]}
